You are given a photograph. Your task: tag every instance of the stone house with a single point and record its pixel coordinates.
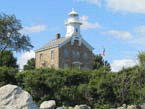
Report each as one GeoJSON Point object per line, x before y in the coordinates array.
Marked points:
{"type": "Point", "coordinates": [69, 52]}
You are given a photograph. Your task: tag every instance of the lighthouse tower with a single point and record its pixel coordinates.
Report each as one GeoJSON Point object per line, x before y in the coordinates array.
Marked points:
{"type": "Point", "coordinates": [73, 27]}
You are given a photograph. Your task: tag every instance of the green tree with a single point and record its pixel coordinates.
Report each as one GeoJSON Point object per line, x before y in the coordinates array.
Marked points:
{"type": "Point", "coordinates": [99, 62]}
{"type": "Point", "coordinates": [141, 57]}
{"type": "Point", "coordinates": [9, 60]}
{"type": "Point", "coordinates": [10, 37]}
{"type": "Point", "coordinates": [30, 64]}
{"type": "Point", "coordinates": [7, 75]}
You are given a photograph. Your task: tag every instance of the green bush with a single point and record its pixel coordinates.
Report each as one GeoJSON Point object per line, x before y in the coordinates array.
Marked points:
{"type": "Point", "coordinates": [7, 75]}
{"type": "Point", "coordinates": [96, 88]}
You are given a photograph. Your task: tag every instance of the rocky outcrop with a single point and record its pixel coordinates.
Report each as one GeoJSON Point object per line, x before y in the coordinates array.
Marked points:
{"type": "Point", "coordinates": [13, 97]}
{"type": "Point", "coordinates": [48, 105]}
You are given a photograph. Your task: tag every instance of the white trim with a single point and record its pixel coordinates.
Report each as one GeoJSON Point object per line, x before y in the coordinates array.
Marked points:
{"type": "Point", "coordinates": [52, 55]}
{"type": "Point", "coordinates": [78, 65]}
{"type": "Point", "coordinates": [65, 42]}
{"type": "Point", "coordinates": [76, 62]}
{"type": "Point", "coordinates": [82, 41]}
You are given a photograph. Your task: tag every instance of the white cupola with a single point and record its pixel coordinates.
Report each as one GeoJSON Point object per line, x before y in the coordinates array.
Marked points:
{"type": "Point", "coordinates": [73, 26]}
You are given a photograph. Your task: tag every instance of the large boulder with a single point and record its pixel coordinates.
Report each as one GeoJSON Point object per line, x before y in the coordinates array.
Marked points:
{"type": "Point", "coordinates": [48, 105]}
{"type": "Point", "coordinates": [13, 97]}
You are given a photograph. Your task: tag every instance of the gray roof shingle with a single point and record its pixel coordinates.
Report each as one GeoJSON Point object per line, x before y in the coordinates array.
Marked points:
{"type": "Point", "coordinates": [52, 44]}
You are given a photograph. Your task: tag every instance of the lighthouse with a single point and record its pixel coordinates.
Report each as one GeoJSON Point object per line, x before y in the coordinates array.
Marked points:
{"type": "Point", "coordinates": [73, 27]}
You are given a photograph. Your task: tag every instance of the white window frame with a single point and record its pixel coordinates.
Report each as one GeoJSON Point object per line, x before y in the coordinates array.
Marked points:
{"type": "Point", "coordinates": [41, 57]}
{"type": "Point", "coordinates": [52, 54]}
{"type": "Point", "coordinates": [77, 63]}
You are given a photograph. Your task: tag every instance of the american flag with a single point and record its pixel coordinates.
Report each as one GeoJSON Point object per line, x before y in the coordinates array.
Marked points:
{"type": "Point", "coordinates": [103, 52]}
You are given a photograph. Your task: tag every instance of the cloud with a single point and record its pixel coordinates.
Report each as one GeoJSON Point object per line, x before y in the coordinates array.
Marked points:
{"type": "Point", "coordinates": [97, 2]}
{"type": "Point", "coordinates": [139, 38]}
{"type": "Point", "coordinates": [87, 25]}
{"type": "Point", "coordinates": [137, 6]}
{"type": "Point", "coordinates": [140, 29]}
{"type": "Point", "coordinates": [35, 28]}
{"type": "Point", "coordinates": [117, 65]}
{"type": "Point", "coordinates": [22, 60]}
{"type": "Point", "coordinates": [123, 35]}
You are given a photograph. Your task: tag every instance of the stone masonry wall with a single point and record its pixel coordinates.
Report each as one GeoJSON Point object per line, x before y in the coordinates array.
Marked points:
{"type": "Point", "coordinates": [70, 59]}
{"type": "Point", "coordinates": [47, 58]}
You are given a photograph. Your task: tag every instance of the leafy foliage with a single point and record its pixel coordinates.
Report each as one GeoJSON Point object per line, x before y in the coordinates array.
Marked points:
{"type": "Point", "coordinates": [7, 75]}
{"type": "Point", "coordinates": [8, 59]}
{"type": "Point", "coordinates": [99, 62]}
{"type": "Point", "coordinates": [141, 57]}
{"type": "Point", "coordinates": [30, 64]}
{"type": "Point", "coordinates": [96, 88]}
{"type": "Point", "coordinates": [10, 37]}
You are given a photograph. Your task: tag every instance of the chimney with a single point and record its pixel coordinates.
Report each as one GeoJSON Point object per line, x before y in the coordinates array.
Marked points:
{"type": "Point", "coordinates": [58, 36]}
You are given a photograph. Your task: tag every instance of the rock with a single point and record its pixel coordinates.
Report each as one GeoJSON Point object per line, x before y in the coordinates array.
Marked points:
{"type": "Point", "coordinates": [13, 97]}
{"type": "Point", "coordinates": [134, 107]}
{"type": "Point", "coordinates": [48, 105]}
{"type": "Point", "coordinates": [84, 106]}
{"type": "Point", "coordinates": [64, 107]}
{"type": "Point", "coordinates": [123, 106]}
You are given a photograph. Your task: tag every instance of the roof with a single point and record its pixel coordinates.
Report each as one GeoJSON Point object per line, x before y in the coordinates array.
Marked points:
{"type": "Point", "coordinates": [73, 13]}
{"type": "Point", "coordinates": [52, 44]}
{"type": "Point", "coordinates": [61, 42]}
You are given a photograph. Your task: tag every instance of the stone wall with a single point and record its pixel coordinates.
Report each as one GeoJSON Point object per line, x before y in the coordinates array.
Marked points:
{"type": "Point", "coordinates": [85, 62]}
{"type": "Point", "coordinates": [47, 58]}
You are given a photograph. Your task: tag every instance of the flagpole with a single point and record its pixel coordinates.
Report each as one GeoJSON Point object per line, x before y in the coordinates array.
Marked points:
{"type": "Point", "coordinates": [104, 61]}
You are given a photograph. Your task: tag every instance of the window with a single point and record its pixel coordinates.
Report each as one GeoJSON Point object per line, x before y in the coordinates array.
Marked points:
{"type": "Point", "coordinates": [76, 65]}
{"type": "Point", "coordinates": [85, 56]}
{"type": "Point", "coordinates": [76, 54]}
{"type": "Point", "coordinates": [65, 53]}
{"type": "Point", "coordinates": [73, 53]}
{"type": "Point", "coordinates": [66, 66]}
{"type": "Point", "coordinates": [41, 57]}
{"type": "Point", "coordinates": [52, 54]}
{"type": "Point", "coordinates": [76, 30]}
{"type": "Point", "coordinates": [44, 64]}
{"type": "Point", "coordinates": [85, 67]}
